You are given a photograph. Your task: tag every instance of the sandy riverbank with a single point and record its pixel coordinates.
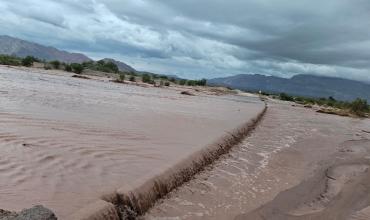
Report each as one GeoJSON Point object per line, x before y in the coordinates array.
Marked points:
{"type": "Point", "coordinates": [67, 141]}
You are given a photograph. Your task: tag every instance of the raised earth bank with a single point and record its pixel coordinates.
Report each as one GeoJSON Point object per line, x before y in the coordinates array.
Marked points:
{"type": "Point", "coordinates": [79, 146]}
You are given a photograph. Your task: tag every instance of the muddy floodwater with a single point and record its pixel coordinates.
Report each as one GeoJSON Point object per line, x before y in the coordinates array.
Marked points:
{"type": "Point", "coordinates": [287, 147]}
{"type": "Point", "coordinates": [66, 141]}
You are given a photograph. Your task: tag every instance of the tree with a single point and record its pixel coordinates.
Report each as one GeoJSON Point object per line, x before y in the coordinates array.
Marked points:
{"type": "Point", "coordinates": [202, 82]}
{"type": "Point", "coordinates": [110, 66]}
{"type": "Point", "coordinates": [77, 68]}
{"type": "Point", "coordinates": [146, 78]}
{"type": "Point", "coordinates": [55, 64]}
{"type": "Point", "coordinates": [28, 61]}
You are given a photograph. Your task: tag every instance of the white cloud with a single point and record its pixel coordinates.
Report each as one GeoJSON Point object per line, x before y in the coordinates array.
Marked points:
{"type": "Point", "coordinates": [204, 39]}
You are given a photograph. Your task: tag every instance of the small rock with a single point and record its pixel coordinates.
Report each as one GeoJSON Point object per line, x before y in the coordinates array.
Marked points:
{"type": "Point", "coordinates": [38, 212]}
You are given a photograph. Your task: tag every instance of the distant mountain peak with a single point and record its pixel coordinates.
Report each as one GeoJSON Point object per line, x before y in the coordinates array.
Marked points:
{"type": "Point", "coordinates": [300, 85]}
{"type": "Point", "coordinates": [18, 47]}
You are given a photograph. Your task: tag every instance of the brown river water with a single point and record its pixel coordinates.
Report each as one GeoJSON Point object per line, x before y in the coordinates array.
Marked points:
{"type": "Point", "coordinates": [282, 151]}
{"type": "Point", "coordinates": [64, 141]}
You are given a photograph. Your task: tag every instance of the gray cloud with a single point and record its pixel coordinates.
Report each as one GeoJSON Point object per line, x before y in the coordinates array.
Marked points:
{"type": "Point", "coordinates": [208, 38]}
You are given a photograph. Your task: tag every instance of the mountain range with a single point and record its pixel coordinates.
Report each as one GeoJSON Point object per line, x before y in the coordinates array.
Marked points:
{"type": "Point", "coordinates": [299, 85]}
{"type": "Point", "coordinates": [21, 48]}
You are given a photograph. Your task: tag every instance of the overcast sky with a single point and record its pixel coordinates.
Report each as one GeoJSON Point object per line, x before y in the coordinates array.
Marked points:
{"type": "Point", "coordinates": [204, 38]}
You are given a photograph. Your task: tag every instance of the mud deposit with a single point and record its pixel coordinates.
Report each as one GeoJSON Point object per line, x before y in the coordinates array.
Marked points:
{"type": "Point", "coordinates": [316, 158]}
{"type": "Point", "coordinates": [66, 141]}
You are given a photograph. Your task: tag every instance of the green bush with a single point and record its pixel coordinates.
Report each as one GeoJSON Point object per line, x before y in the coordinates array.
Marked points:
{"type": "Point", "coordinates": [77, 68]}
{"type": "Point", "coordinates": [202, 82]}
{"type": "Point", "coordinates": [286, 97]}
{"type": "Point", "coordinates": [101, 65]}
{"type": "Point", "coordinates": [167, 84]}
{"type": "Point", "coordinates": [55, 64]}
{"type": "Point", "coordinates": [359, 107]}
{"type": "Point", "coordinates": [132, 79]}
{"type": "Point", "coordinates": [146, 78]}
{"type": "Point", "coordinates": [10, 60]}
{"type": "Point", "coordinates": [27, 61]}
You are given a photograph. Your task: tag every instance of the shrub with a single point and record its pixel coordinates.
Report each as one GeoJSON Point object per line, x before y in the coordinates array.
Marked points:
{"type": "Point", "coordinates": [77, 68]}
{"type": "Point", "coordinates": [28, 61]}
{"type": "Point", "coordinates": [9, 60]}
{"type": "Point", "coordinates": [167, 84]}
{"type": "Point", "coordinates": [55, 64]}
{"type": "Point", "coordinates": [132, 79]}
{"type": "Point", "coordinates": [146, 78]}
{"type": "Point", "coordinates": [68, 68]}
{"type": "Point", "coordinates": [182, 82]}
{"type": "Point", "coordinates": [191, 83]}
{"type": "Point", "coordinates": [285, 97]}
{"type": "Point", "coordinates": [359, 107]}
{"type": "Point", "coordinates": [122, 77]}
{"type": "Point", "coordinates": [202, 82]}
{"type": "Point", "coordinates": [110, 66]}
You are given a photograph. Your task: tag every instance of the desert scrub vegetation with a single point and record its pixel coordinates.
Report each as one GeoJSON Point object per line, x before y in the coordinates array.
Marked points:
{"type": "Point", "coordinates": [10, 60]}
{"type": "Point", "coordinates": [77, 68]}
{"type": "Point", "coordinates": [146, 78]}
{"type": "Point", "coordinates": [102, 66]}
{"type": "Point", "coordinates": [55, 64]}
{"type": "Point", "coordinates": [132, 79]}
{"type": "Point", "coordinates": [358, 107]}
{"type": "Point", "coordinates": [17, 61]}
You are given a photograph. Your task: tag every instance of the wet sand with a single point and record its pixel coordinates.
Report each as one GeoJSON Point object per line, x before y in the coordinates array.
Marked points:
{"type": "Point", "coordinates": [297, 164]}
{"type": "Point", "coordinates": [66, 141]}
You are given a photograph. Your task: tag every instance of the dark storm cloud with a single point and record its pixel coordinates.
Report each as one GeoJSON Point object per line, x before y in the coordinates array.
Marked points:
{"type": "Point", "coordinates": [208, 38]}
